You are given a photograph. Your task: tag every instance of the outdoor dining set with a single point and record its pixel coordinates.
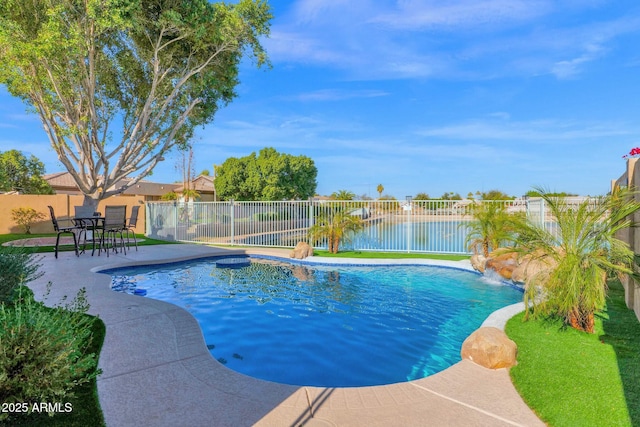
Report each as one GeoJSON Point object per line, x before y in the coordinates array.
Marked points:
{"type": "Point", "coordinates": [112, 231]}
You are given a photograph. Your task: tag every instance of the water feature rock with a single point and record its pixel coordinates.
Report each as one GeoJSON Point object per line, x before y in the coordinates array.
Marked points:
{"type": "Point", "coordinates": [531, 265]}
{"type": "Point", "coordinates": [302, 250]}
{"type": "Point", "coordinates": [478, 262]}
{"type": "Point", "coordinates": [502, 263]}
{"type": "Point", "coordinates": [490, 347]}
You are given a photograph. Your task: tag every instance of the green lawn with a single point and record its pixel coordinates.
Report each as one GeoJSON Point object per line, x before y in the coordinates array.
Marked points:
{"type": "Point", "coordinates": [572, 378]}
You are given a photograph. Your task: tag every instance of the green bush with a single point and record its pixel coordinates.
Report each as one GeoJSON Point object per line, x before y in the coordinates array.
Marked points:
{"type": "Point", "coordinates": [267, 216]}
{"type": "Point", "coordinates": [26, 217]}
{"type": "Point", "coordinates": [17, 267]}
{"type": "Point", "coordinates": [43, 350]}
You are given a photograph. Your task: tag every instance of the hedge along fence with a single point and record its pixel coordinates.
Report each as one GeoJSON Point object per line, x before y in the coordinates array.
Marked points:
{"type": "Point", "coordinates": [63, 205]}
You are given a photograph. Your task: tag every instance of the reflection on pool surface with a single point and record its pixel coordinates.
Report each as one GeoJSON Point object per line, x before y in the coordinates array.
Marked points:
{"type": "Point", "coordinates": [326, 325]}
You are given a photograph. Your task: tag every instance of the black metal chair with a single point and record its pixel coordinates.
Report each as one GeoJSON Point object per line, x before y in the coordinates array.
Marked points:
{"type": "Point", "coordinates": [65, 230]}
{"type": "Point", "coordinates": [133, 220]}
{"type": "Point", "coordinates": [87, 219]}
{"type": "Point", "coordinates": [115, 222]}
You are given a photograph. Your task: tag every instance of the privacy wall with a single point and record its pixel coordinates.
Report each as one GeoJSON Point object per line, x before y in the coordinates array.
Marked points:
{"type": "Point", "coordinates": [631, 179]}
{"type": "Point", "coordinates": [63, 205]}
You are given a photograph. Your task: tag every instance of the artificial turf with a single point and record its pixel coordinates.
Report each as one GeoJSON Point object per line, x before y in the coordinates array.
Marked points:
{"type": "Point", "coordinates": [571, 378]}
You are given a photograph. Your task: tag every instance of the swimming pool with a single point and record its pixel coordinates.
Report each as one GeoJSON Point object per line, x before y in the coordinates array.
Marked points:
{"type": "Point", "coordinates": [326, 325]}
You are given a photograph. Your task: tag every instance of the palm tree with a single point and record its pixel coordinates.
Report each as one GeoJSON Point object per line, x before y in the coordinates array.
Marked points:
{"type": "Point", "coordinates": [582, 251]}
{"type": "Point", "coordinates": [380, 190]}
{"type": "Point", "coordinates": [335, 228]}
{"type": "Point", "coordinates": [190, 194]}
{"type": "Point", "coordinates": [491, 228]}
{"type": "Point", "coordinates": [343, 195]}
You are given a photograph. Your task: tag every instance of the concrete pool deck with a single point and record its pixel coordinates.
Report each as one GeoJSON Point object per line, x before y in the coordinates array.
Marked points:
{"type": "Point", "coordinates": [157, 370]}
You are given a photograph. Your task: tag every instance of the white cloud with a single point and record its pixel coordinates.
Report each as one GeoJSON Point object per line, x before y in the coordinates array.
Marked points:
{"type": "Point", "coordinates": [338, 95]}
{"type": "Point", "coordinates": [416, 15]}
{"type": "Point", "coordinates": [538, 131]}
{"type": "Point", "coordinates": [458, 39]}
{"type": "Point", "coordinates": [311, 11]}
{"type": "Point", "coordinates": [293, 46]}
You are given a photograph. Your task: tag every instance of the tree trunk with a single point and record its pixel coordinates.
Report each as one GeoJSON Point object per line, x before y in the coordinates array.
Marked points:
{"type": "Point", "coordinates": [582, 321]}
{"type": "Point", "coordinates": [333, 245]}
{"type": "Point", "coordinates": [485, 248]}
{"type": "Point", "coordinates": [90, 202]}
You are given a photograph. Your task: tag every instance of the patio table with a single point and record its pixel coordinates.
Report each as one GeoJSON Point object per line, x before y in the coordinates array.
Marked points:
{"type": "Point", "coordinates": [95, 225]}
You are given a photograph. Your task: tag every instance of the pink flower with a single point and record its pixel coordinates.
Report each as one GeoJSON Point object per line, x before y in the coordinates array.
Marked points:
{"type": "Point", "coordinates": [633, 153]}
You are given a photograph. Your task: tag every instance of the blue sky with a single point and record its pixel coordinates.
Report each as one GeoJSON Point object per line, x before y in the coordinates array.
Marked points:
{"type": "Point", "coordinates": [428, 96]}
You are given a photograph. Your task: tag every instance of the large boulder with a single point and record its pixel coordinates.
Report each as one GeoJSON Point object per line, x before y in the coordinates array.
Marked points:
{"type": "Point", "coordinates": [490, 347]}
{"type": "Point", "coordinates": [503, 263]}
{"type": "Point", "coordinates": [531, 265]}
{"type": "Point", "coordinates": [302, 250]}
{"type": "Point", "coordinates": [478, 262]}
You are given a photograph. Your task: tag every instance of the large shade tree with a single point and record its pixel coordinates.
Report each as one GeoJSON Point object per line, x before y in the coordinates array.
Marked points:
{"type": "Point", "coordinates": [269, 175]}
{"type": "Point", "coordinates": [119, 83]}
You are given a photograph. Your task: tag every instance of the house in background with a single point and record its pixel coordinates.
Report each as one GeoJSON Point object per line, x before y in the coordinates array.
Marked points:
{"type": "Point", "coordinates": [204, 185]}
{"type": "Point", "coordinates": [63, 183]}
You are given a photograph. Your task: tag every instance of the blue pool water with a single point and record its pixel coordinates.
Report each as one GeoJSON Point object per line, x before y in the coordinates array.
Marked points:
{"type": "Point", "coordinates": [326, 325]}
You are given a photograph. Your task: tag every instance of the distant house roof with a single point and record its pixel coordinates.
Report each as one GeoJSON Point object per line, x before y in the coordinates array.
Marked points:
{"type": "Point", "coordinates": [62, 181]}
{"type": "Point", "coordinates": [146, 188]}
{"type": "Point", "coordinates": [202, 184]}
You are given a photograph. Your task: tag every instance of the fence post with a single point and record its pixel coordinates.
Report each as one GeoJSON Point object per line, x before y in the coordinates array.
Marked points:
{"type": "Point", "coordinates": [311, 221]}
{"type": "Point", "coordinates": [232, 215]}
{"type": "Point", "coordinates": [175, 220]}
{"type": "Point", "coordinates": [409, 225]}
{"type": "Point", "coordinates": [147, 215]}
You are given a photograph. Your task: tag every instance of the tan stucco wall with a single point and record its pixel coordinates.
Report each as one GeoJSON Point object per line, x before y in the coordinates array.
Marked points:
{"type": "Point", "coordinates": [632, 236]}
{"type": "Point", "coordinates": [63, 205]}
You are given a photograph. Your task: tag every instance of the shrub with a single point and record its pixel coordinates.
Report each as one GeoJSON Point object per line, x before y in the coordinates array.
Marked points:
{"type": "Point", "coordinates": [267, 216]}
{"type": "Point", "coordinates": [583, 251]}
{"type": "Point", "coordinates": [42, 350]}
{"type": "Point", "coordinates": [171, 195]}
{"type": "Point", "coordinates": [492, 227]}
{"type": "Point", "coordinates": [17, 267]}
{"type": "Point", "coordinates": [335, 228]}
{"type": "Point", "coordinates": [25, 217]}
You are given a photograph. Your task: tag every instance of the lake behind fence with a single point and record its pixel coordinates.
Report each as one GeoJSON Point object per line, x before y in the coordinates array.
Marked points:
{"type": "Point", "coordinates": [433, 226]}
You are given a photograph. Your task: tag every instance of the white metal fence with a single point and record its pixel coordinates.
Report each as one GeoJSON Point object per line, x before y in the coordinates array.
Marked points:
{"type": "Point", "coordinates": [435, 226]}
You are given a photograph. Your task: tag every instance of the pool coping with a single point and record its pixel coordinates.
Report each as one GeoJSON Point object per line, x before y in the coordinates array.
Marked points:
{"type": "Point", "coordinates": [158, 371]}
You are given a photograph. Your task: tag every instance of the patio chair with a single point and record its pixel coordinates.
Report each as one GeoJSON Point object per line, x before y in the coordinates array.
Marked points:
{"type": "Point", "coordinates": [73, 229]}
{"type": "Point", "coordinates": [114, 224]}
{"type": "Point", "coordinates": [133, 220]}
{"type": "Point", "coordinates": [86, 217]}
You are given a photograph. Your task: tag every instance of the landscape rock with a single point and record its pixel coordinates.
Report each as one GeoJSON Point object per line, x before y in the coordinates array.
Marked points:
{"type": "Point", "coordinates": [490, 347]}
{"type": "Point", "coordinates": [302, 250]}
{"type": "Point", "coordinates": [502, 263]}
{"type": "Point", "coordinates": [531, 265]}
{"type": "Point", "coordinates": [478, 262]}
